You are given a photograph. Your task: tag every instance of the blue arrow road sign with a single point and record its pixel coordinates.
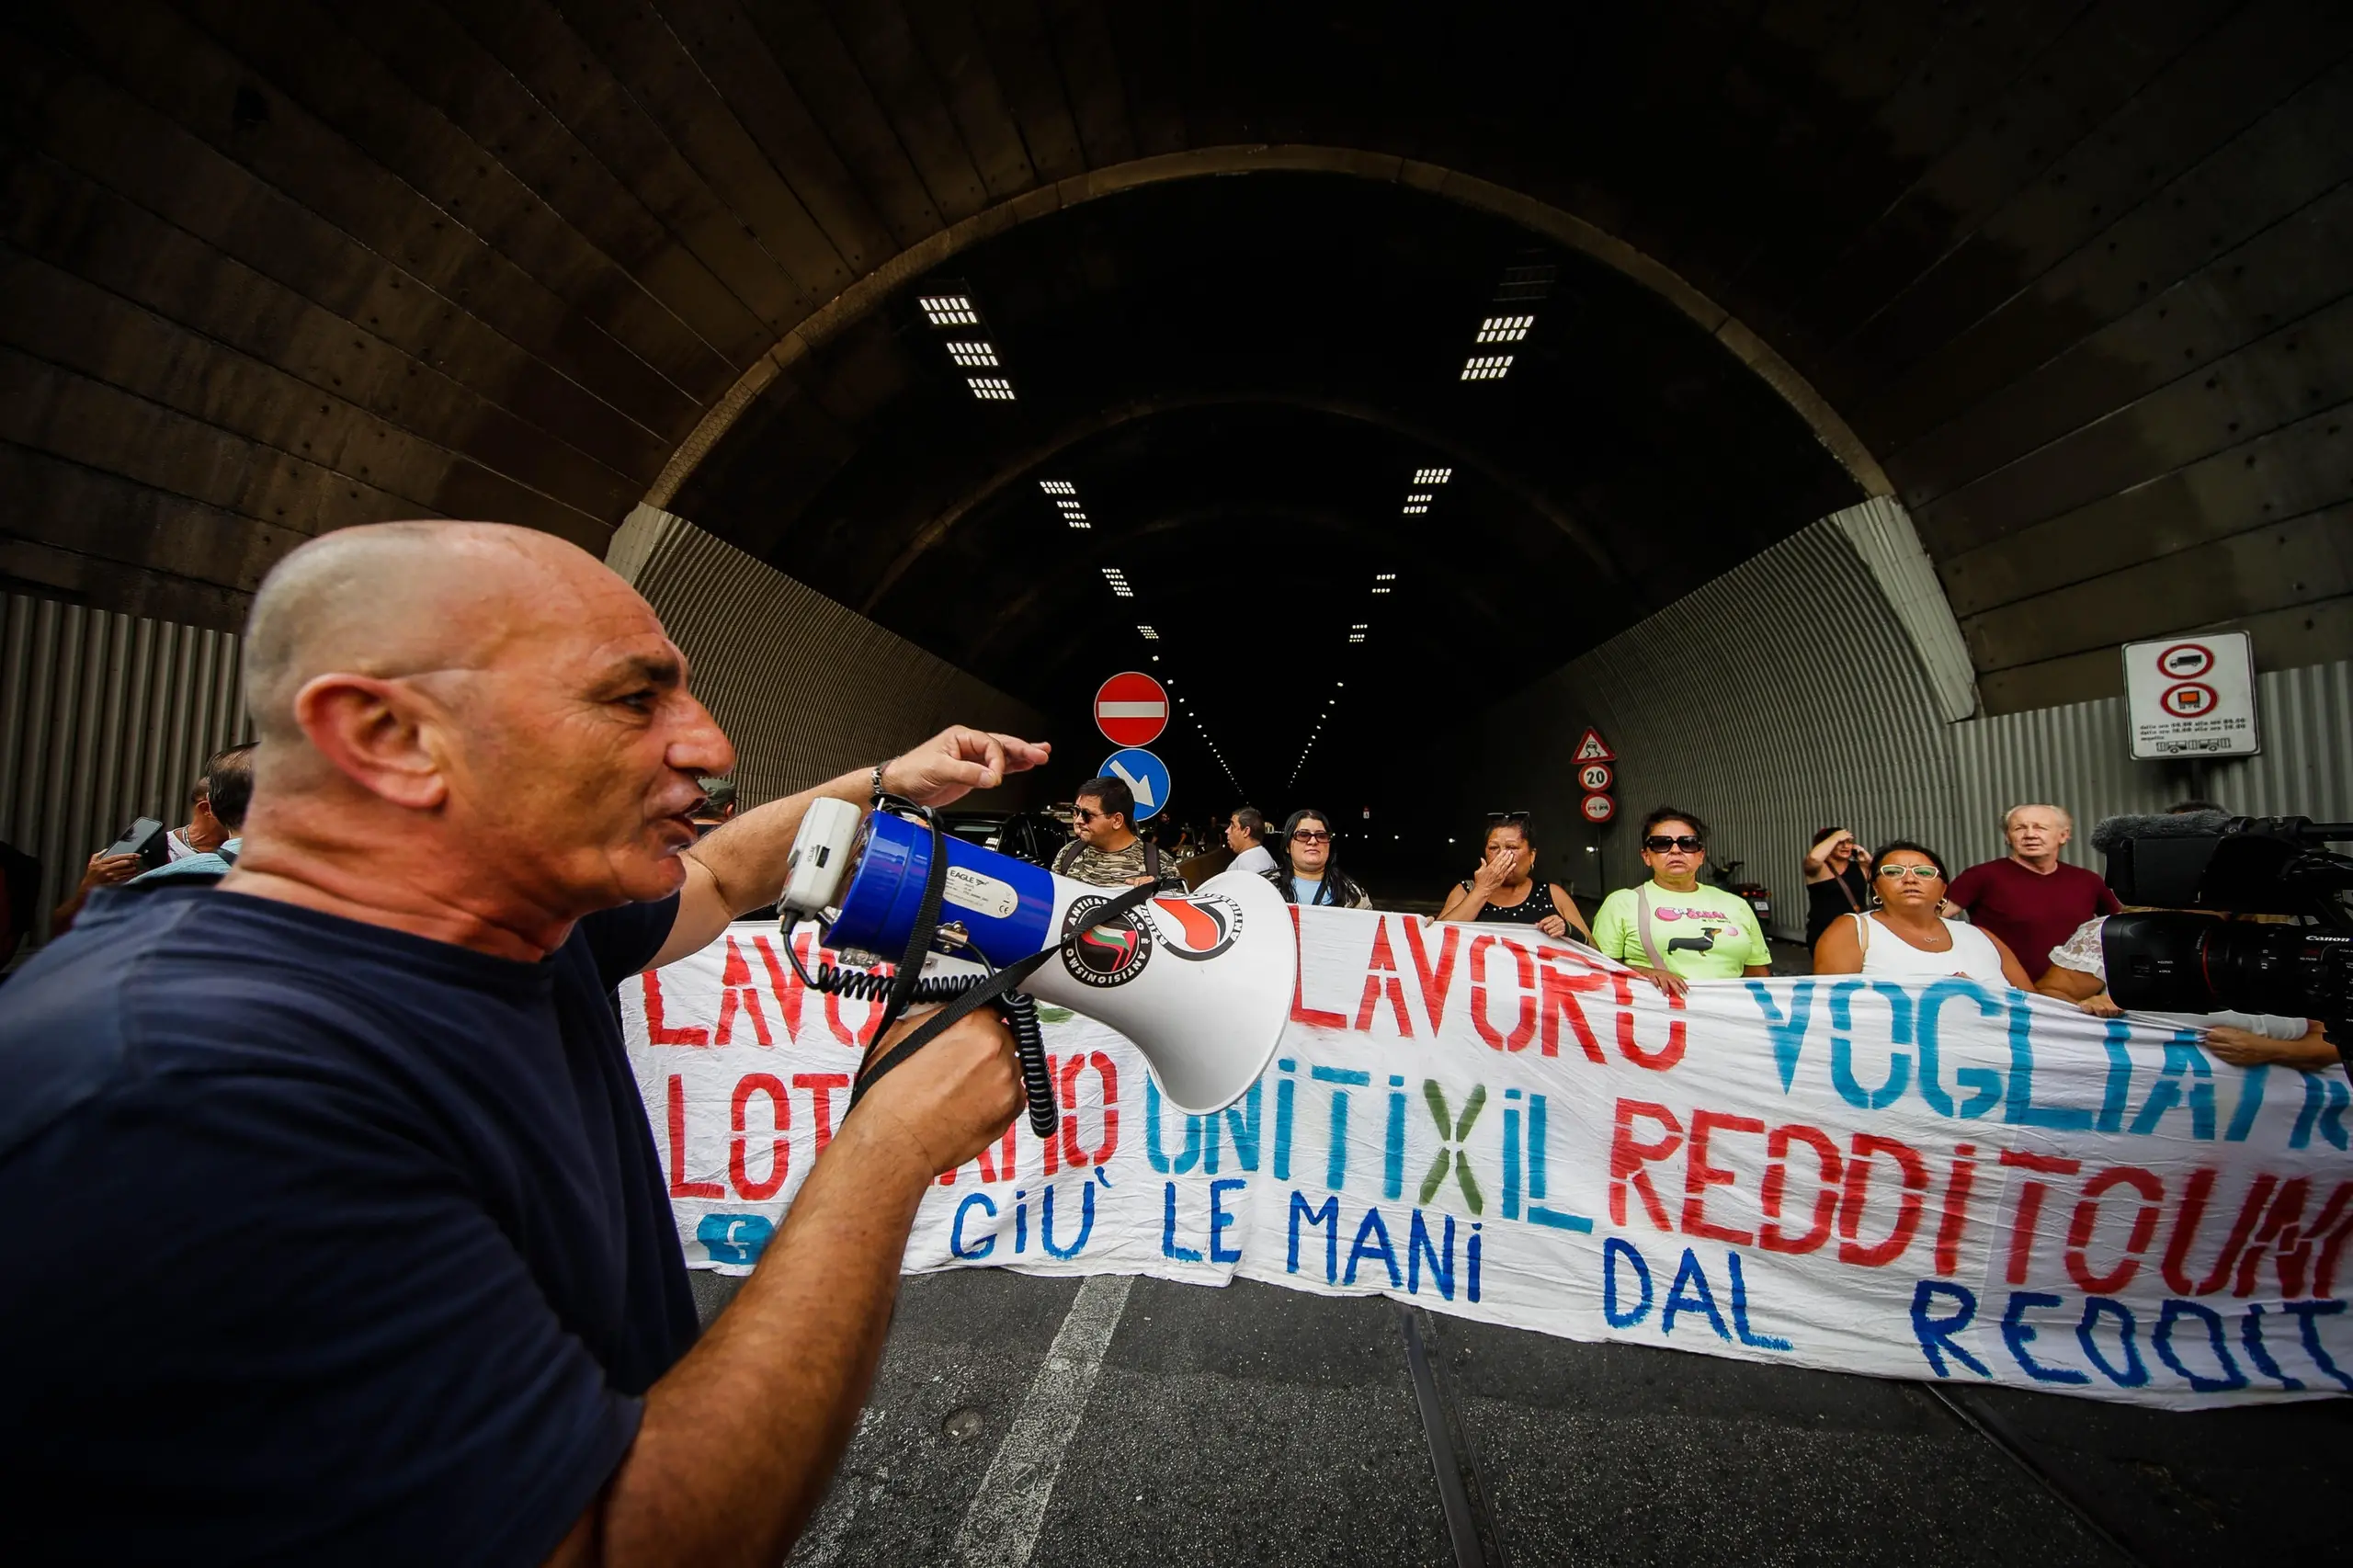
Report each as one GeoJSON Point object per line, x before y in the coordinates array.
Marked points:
{"type": "Point", "coordinates": [1144, 774]}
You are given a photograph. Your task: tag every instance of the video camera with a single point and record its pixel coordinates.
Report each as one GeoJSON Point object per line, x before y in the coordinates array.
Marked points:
{"type": "Point", "coordinates": [2169, 960]}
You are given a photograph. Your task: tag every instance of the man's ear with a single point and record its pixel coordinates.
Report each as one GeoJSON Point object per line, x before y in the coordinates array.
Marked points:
{"type": "Point", "coordinates": [377, 733]}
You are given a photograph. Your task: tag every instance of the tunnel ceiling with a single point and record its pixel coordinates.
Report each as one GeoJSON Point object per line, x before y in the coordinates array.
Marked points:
{"type": "Point", "coordinates": [1240, 380]}
{"type": "Point", "coordinates": [2070, 276]}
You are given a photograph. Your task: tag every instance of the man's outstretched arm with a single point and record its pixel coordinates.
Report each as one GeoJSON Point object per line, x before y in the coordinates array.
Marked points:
{"type": "Point", "coordinates": [740, 1439]}
{"type": "Point", "coordinates": [741, 866]}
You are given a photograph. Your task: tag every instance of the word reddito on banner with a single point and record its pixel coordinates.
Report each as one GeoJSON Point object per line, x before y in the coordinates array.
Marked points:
{"type": "Point", "coordinates": [1942, 1181]}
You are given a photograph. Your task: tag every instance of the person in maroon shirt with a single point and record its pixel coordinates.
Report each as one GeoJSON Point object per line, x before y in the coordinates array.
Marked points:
{"type": "Point", "coordinates": [2030, 900]}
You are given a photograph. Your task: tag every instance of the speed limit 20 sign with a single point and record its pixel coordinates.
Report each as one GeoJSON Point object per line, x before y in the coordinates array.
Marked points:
{"type": "Point", "coordinates": [1596, 777]}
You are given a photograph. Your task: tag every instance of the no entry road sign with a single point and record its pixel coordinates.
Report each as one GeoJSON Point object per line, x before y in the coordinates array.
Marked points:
{"type": "Point", "coordinates": [1145, 776]}
{"type": "Point", "coordinates": [1131, 709]}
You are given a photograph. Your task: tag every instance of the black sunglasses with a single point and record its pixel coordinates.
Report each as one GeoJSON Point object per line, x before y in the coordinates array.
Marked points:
{"type": "Point", "coordinates": [1659, 844]}
{"type": "Point", "coordinates": [1507, 819]}
{"type": "Point", "coordinates": [1309, 836]}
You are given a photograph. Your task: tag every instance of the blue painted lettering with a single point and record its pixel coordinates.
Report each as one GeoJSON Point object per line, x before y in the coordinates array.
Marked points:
{"type": "Point", "coordinates": [1613, 1249]}
{"type": "Point", "coordinates": [1221, 1222]}
{"type": "Point", "coordinates": [1329, 1214]}
{"type": "Point", "coordinates": [1335, 1154]}
{"type": "Point", "coordinates": [1842, 1045]}
{"type": "Point", "coordinates": [1749, 1336]}
{"type": "Point", "coordinates": [1935, 1334]}
{"type": "Point", "coordinates": [1417, 1245]}
{"type": "Point", "coordinates": [981, 1202]}
{"type": "Point", "coordinates": [1691, 1293]}
{"type": "Point", "coordinates": [1161, 1161]}
{"type": "Point", "coordinates": [1789, 1033]}
{"type": "Point", "coordinates": [2171, 1314]}
{"type": "Point", "coordinates": [1168, 1247]}
{"type": "Point", "coordinates": [1086, 1223]}
{"type": "Point", "coordinates": [1372, 1225]}
{"type": "Point", "coordinates": [2018, 1333]}
{"type": "Point", "coordinates": [1984, 1082]}
{"type": "Point", "coordinates": [2134, 1373]}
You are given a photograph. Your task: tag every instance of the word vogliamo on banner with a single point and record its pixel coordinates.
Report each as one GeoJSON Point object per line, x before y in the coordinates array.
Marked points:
{"type": "Point", "coordinates": [1943, 1181]}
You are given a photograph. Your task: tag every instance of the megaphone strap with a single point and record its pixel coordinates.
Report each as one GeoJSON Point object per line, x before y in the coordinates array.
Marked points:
{"type": "Point", "coordinates": [989, 990]}
{"type": "Point", "coordinates": [926, 926]}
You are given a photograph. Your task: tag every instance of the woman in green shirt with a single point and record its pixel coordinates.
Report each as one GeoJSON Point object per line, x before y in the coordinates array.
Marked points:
{"type": "Point", "coordinates": [1673, 930]}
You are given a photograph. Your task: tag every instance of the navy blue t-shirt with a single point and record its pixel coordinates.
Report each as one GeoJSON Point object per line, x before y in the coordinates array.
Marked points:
{"type": "Point", "coordinates": [320, 1243]}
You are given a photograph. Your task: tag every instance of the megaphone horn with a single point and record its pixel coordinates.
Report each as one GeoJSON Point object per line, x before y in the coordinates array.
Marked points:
{"type": "Point", "coordinates": [1200, 983]}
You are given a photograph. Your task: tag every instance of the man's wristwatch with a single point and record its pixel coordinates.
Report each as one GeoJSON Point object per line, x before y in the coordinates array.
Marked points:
{"type": "Point", "coordinates": [876, 802]}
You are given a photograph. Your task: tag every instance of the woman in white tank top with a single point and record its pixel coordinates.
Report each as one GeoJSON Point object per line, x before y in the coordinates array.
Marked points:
{"type": "Point", "coordinates": [1906, 939]}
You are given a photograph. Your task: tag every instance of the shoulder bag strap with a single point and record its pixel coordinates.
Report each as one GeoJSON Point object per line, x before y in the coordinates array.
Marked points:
{"type": "Point", "coordinates": [1643, 926]}
{"type": "Point", "coordinates": [1848, 890]}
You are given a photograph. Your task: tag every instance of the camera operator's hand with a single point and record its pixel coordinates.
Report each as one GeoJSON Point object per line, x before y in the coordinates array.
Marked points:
{"type": "Point", "coordinates": [952, 1098]}
{"type": "Point", "coordinates": [957, 761]}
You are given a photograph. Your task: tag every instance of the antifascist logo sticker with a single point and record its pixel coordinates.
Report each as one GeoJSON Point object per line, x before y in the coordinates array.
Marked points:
{"type": "Point", "coordinates": [1107, 954]}
{"type": "Point", "coordinates": [1197, 928]}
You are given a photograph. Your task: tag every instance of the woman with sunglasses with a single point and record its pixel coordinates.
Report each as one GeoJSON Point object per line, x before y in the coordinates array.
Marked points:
{"type": "Point", "coordinates": [1502, 892]}
{"type": "Point", "coordinates": [1904, 937]}
{"type": "Point", "coordinates": [1311, 874]}
{"type": "Point", "coordinates": [1675, 929]}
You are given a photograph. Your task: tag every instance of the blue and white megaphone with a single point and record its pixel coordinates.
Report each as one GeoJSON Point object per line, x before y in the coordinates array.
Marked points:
{"type": "Point", "coordinates": [1199, 982]}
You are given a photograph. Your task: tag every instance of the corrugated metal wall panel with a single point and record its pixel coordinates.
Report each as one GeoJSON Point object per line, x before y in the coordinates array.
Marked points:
{"type": "Point", "coordinates": [107, 718]}
{"type": "Point", "coordinates": [1783, 696]}
{"type": "Point", "coordinates": [806, 687]}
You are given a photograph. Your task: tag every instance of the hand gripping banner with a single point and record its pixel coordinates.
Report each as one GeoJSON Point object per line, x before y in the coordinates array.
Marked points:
{"type": "Point", "coordinates": [1942, 1181]}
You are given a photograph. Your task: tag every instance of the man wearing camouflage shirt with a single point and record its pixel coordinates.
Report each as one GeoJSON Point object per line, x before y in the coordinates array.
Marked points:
{"type": "Point", "coordinates": [1104, 849]}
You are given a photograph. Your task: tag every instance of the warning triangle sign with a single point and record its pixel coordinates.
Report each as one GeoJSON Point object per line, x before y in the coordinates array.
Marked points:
{"type": "Point", "coordinates": [1593, 748]}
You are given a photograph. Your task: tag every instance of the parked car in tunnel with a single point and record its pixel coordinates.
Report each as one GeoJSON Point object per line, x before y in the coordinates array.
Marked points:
{"type": "Point", "coordinates": [1034, 836]}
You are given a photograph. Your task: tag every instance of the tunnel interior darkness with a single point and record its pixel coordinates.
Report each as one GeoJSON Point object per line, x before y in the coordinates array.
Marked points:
{"type": "Point", "coordinates": [1251, 387]}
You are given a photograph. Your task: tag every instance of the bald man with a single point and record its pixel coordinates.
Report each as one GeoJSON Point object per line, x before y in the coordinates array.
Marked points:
{"type": "Point", "coordinates": [333, 1229]}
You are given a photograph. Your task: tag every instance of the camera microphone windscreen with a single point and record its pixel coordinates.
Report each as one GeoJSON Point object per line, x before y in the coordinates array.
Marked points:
{"type": "Point", "coordinates": [2112, 832]}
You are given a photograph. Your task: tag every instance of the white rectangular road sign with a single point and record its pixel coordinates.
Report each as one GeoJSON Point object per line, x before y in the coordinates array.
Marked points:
{"type": "Point", "coordinates": [2193, 695]}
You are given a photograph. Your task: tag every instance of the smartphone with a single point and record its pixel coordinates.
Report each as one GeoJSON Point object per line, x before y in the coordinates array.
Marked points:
{"type": "Point", "coordinates": [146, 838]}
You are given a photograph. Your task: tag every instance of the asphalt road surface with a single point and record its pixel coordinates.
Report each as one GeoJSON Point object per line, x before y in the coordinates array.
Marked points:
{"type": "Point", "coordinates": [1115, 1421]}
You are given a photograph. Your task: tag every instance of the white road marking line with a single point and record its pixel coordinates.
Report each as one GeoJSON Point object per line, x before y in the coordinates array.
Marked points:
{"type": "Point", "coordinates": [1000, 1529]}
{"type": "Point", "coordinates": [823, 1542]}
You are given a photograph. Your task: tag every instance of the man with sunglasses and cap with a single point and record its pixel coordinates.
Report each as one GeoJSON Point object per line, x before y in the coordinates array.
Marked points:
{"type": "Point", "coordinates": [1674, 928]}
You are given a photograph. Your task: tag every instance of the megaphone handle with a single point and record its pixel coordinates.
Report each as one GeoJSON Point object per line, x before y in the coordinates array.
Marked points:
{"type": "Point", "coordinates": [1029, 1042]}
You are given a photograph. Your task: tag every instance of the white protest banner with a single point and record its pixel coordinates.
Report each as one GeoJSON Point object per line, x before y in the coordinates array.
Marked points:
{"type": "Point", "coordinates": [1931, 1180]}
